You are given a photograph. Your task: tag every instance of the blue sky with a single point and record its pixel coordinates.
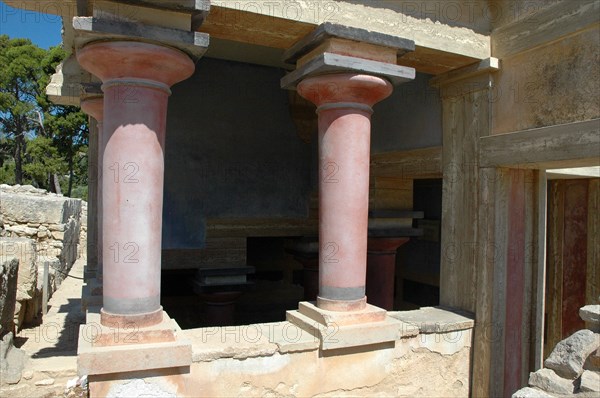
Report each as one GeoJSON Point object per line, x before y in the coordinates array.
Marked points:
{"type": "Point", "coordinates": [42, 29]}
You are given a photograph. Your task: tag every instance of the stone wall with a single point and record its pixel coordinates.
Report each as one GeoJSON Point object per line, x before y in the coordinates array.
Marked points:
{"type": "Point", "coordinates": [38, 227]}
{"type": "Point", "coordinates": [431, 359]}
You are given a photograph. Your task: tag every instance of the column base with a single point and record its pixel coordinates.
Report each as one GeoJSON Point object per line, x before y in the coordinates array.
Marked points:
{"type": "Point", "coordinates": [132, 321]}
{"type": "Point", "coordinates": [336, 329]}
{"type": "Point", "coordinates": [91, 294]}
{"type": "Point", "coordinates": [127, 348]}
{"type": "Point", "coordinates": [342, 305]}
{"type": "Point", "coordinates": [220, 308]}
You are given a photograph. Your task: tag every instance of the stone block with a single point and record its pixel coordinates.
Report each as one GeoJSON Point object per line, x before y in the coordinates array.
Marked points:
{"type": "Point", "coordinates": [568, 357]}
{"type": "Point", "coordinates": [590, 381]}
{"type": "Point", "coordinates": [591, 316]}
{"type": "Point", "coordinates": [289, 337]}
{"type": "Point", "coordinates": [548, 380]}
{"type": "Point", "coordinates": [132, 352]}
{"type": "Point", "coordinates": [529, 392]}
{"type": "Point", "coordinates": [12, 360]}
{"type": "Point", "coordinates": [238, 342]}
{"type": "Point", "coordinates": [329, 30]}
{"type": "Point", "coordinates": [436, 319]}
{"type": "Point", "coordinates": [25, 251]}
{"type": "Point", "coordinates": [47, 209]}
{"type": "Point", "coordinates": [8, 293]}
{"type": "Point", "coordinates": [334, 336]}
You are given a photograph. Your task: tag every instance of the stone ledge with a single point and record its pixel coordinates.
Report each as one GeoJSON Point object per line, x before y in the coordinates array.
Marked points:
{"type": "Point", "coordinates": [327, 63]}
{"type": "Point", "coordinates": [249, 341]}
{"type": "Point", "coordinates": [333, 336]}
{"type": "Point", "coordinates": [436, 319]}
{"type": "Point", "coordinates": [133, 350]}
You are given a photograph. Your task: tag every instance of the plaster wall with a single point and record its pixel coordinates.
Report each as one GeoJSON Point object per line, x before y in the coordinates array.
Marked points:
{"type": "Point", "coordinates": [555, 83]}
{"type": "Point", "coordinates": [410, 118]}
{"type": "Point", "coordinates": [232, 149]}
{"type": "Point", "coordinates": [250, 361]}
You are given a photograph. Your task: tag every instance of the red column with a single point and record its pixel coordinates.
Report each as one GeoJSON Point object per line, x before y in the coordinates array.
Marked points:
{"type": "Point", "coordinates": [344, 104]}
{"type": "Point", "coordinates": [95, 108]}
{"type": "Point", "coordinates": [136, 80]}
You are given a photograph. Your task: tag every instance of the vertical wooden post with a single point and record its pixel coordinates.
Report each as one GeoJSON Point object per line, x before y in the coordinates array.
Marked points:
{"type": "Point", "coordinates": [540, 265]}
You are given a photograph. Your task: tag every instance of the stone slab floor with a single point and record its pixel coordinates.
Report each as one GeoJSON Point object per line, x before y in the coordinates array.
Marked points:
{"type": "Point", "coordinates": [51, 347]}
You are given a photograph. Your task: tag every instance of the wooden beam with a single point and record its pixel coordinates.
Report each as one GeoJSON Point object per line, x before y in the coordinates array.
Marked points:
{"type": "Point", "coordinates": [546, 25]}
{"type": "Point", "coordinates": [567, 145]}
{"type": "Point", "coordinates": [410, 164]}
{"type": "Point", "coordinates": [540, 272]}
{"type": "Point", "coordinates": [484, 66]}
{"type": "Point", "coordinates": [263, 23]}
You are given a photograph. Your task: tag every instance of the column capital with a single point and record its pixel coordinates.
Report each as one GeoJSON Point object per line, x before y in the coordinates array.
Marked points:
{"type": "Point", "coordinates": [136, 63]}
{"type": "Point", "coordinates": [345, 90]}
{"type": "Point", "coordinates": [332, 49]}
{"type": "Point", "coordinates": [94, 107]}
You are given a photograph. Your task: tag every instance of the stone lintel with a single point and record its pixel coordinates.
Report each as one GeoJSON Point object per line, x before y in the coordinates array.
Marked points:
{"type": "Point", "coordinates": [328, 63]}
{"type": "Point", "coordinates": [329, 30]}
{"type": "Point", "coordinates": [90, 29]}
{"type": "Point", "coordinates": [335, 336]}
{"type": "Point", "coordinates": [436, 319]}
{"type": "Point", "coordinates": [104, 350]}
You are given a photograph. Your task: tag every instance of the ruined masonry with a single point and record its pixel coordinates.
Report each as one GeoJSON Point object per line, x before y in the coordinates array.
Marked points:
{"type": "Point", "coordinates": [37, 227]}
{"type": "Point", "coordinates": [573, 367]}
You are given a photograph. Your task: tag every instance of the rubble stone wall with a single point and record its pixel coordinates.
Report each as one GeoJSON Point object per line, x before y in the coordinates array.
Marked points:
{"type": "Point", "coordinates": [38, 227]}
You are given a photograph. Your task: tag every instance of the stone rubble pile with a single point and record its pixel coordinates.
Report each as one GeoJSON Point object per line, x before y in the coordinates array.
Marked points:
{"type": "Point", "coordinates": [38, 227]}
{"type": "Point", "coordinates": [573, 367]}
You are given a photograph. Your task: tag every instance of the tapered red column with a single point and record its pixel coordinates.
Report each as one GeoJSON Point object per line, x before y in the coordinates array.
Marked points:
{"type": "Point", "coordinates": [344, 104]}
{"type": "Point", "coordinates": [136, 80]}
{"type": "Point", "coordinates": [94, 107]}
{"type": "Point", "coordinates": [381, 270]}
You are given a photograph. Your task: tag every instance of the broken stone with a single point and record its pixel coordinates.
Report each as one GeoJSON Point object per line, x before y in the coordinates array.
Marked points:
{"type": "Point", "coordinates": [548, 380]}
{"type": "Point", "coordinates": [529, 392]}
{"type": "Point", "coordinates": [12, 360]}
{"type": "Point", "coordinates": [9, 269]}
{"type": "Point", "coordinates": [591, 316]}
{"type": "Point", "coordinates": [22, 230]}
{"type": "Point", "coordinates": [568, 357]}
{"type": "Point", "coordinates": [24, 250]}
{"type": "Point", "coordinates": [45, 382]}
{"type": "Point", "coordinates": [590, 381]}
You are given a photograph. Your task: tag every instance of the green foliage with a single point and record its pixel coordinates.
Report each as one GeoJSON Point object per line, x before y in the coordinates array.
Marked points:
{"type": "Point", "coordinates": [40, 142]}
{"type": "Point", "coordinates": [43, 159]}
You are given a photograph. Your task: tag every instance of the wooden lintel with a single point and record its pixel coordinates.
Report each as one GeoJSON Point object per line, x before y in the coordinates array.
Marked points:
{"type": "Point", "coordinates": [484, 66]}
{"type": "Point", "coordinates": [411, 164]}
{"type": "Point", "coordinates": [566, 145]}
{"type": "Point", "coordinates": [552, 23]}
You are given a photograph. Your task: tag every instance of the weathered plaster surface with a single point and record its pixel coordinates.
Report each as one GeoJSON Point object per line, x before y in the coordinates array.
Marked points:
{"type": "Point", "coordinates": [417, 21]}
{"type": "Point", "coordinates": [553, 84]}
{"type": "Point", "coordinates": [282, 360]}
